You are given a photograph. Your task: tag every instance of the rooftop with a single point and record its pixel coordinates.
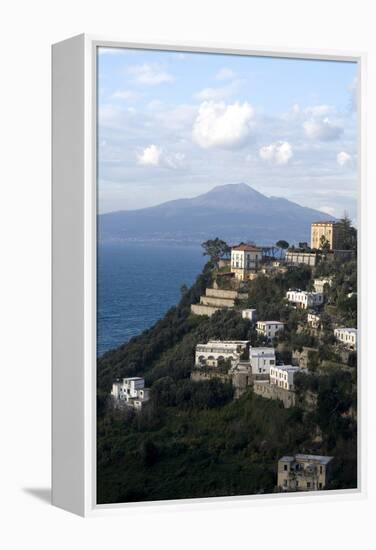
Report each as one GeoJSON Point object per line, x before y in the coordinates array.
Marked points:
{"type": "Point", "coordinates": [325, 222]}
{"type": "Point", "coordinates": [287, 368]}
{"type": "Point", "coordinates": [271, 322]}
{"type": "Point", "coordinates": [237, 342]}
{"type": "Point", "coordinates": [319, 458]}
{"type": "Point", "coordinates": [316, 458]}
{"type": "Point", "coordinates": [246, 248]}
{"type": "Point", "coordinates": [259, 349]}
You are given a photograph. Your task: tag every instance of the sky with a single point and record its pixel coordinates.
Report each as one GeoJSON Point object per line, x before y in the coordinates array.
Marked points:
{"type": "Point", "coordinates": [174, 125]}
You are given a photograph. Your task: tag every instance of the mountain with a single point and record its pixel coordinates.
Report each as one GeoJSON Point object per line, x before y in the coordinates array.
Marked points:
{"type": "Point", "coordinates": [234, 212]}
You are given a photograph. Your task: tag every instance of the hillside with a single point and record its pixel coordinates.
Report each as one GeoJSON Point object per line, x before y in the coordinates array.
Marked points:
{"type": "Point", "coordinates": [234, 213]}
{"type": "Point", "coordinates": [193, 439]}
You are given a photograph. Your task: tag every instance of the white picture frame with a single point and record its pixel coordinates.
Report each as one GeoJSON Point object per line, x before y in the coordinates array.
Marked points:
{"type": "Point", "coordinates": [74, 209]}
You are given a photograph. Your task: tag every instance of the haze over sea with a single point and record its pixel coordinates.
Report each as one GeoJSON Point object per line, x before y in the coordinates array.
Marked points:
{"type": "Point", "coordinates": [137, 284]}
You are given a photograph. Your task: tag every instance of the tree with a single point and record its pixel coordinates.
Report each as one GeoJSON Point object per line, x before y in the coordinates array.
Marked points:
{"type": "Point", "coordinates": [282, 245]}
{"type": "Point", "coordinates": [324, 244]}
{"type": "Point", "coordinates": [348, 234]}
{"type": "Point", "coordinates": [215, 249]}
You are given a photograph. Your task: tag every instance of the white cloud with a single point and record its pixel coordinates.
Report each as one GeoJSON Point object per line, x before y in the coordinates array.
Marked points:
{"type": "Point", "coordinates": [155, 156]}
{"type": "Point", "coordinates": [279, 152]}
{"type": "Point", "coordinates": [323, 129]}
{"type": "Point", "coordinates": [150, 74]}
{"type": "Point", "coordinates": [225, 74]}
{"type": "Point", "coordinates": [344, 158]}
{"type": "Point", "coordinates": [127, 95]}
{"type": "Point", "coordinates": [222, 125]}
{"type": "Point", "coordinates": [327, 210]}
{"type": "Point", "coordinates": [150, 156]}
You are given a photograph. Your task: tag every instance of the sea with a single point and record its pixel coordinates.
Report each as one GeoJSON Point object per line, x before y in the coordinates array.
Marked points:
{"type": "Point", "coordinates": [137, 283]}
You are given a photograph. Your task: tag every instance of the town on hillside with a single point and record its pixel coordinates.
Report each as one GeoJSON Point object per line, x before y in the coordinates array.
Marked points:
{"type": "Point", "coordinates": [295, 310]}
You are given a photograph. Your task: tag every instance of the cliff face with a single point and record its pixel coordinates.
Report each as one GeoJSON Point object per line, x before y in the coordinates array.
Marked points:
{"type": "Point", "coordinates": [231, 212]}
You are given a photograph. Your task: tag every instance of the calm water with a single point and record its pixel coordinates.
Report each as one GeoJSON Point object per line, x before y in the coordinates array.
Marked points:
{"type": "Point", "coordinates": [137, 284]}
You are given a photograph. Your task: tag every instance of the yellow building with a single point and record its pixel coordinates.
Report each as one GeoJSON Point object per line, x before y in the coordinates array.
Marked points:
{"type": "Point", "coordinates": [304, 472]}
{"type": "Point", "coordinates": [329, 230]}
{"type": "Point", "coordinates": [245, 260]}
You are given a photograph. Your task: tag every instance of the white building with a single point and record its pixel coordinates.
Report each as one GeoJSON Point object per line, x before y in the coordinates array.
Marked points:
{"type": "Point", "coordinates": [348, 336]}
{"type": "Point", "coordinates": [131, 392]}
{"type": "Point", "coordinates": [249, 314]}
{"type": "Point", "coordinates": [215, 351]}
{"type": "Point", "coordinates": [245, 260]}
{"type": "Point", "coordinates": [313, 320]}
{"type": "Point", "coordinates": [269, 329]}
{"type": "Point", "coordinates": [303, 299]}
{"type": "Point", "coordinates": [283, 376]}
{"type": "Point", "coordinates": [319, 284]}
{"type": "Point", "coordinates": [261, 360]}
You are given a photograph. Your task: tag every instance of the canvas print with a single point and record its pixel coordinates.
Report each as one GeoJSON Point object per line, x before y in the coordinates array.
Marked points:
{"type": "Point", "coordinates": [227, 275]}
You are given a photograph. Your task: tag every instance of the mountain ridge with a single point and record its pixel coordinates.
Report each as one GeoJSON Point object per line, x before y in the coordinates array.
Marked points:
{"type": "Point", "coordinates": [232, 212]}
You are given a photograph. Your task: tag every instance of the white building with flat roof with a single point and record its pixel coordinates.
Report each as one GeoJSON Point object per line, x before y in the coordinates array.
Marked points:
{"type": "Point", "coordinates": [130, 392]}
{"type": "Point", "coordinates": [249, 314]}
{"type": "Point", "coordinates": [261, 360]}
{"type": "Point", "coordinates": [269, 329]}
{"type": "Point", "coordinates": [348, 336]}
{"type": "Point", "coordinates": [215, 351]}
{"type": "Point", "coordinates": [303, 299]}
{"type": "Point", "coordinates": [283, 376]}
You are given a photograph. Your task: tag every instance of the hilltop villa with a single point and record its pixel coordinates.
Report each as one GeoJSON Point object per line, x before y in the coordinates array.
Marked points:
{"type": "Point", "coordinates": [304, 299]}
{"type": "Point", "coordinates": [261, 359]}
{"type": "Point", "coordinates": [304, 472]}
{"type": "Point", "coordinates": [269, 329]}
{"type": "Point", "coordinates": [330, 230]}
{"type": "Point", "coordinates": [245, 260]}
{"type": "Point", "coordinates": [215, 351]}
{"type": "Point", "coordinates": [283, 376]}
{"type": "Point", "coordinates": [348, 336]}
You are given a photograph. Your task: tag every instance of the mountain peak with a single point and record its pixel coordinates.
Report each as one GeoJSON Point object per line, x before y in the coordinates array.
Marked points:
{"type": "Point", "coordinates": [232, 196]}
{"type": "Point", "coordinates": [238, 188]}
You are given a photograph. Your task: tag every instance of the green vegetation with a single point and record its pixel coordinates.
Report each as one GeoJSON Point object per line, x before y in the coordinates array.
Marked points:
{"type": "Point", "coordinates": [192, 439]}
{"type": "Point", "coordinates": [215, 249]}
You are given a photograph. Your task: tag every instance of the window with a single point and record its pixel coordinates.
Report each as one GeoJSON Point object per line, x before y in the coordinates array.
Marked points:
{"type": "Point", "coordinates": [308, 484]}
{"type": "Point", "coordinates": [285, 467]}
{"type": "Point", "coordinates": [320, 469]}
{"type": "Point", "coordinates": [320, 485]}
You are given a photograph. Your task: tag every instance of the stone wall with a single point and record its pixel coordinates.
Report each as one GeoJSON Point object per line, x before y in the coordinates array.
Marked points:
{"type": "Point", "coordinates": [217, 302]}
{"type": "Point", "coordinates": [198, 375]}
{"type": "Point", "coordinates": [217, 293]}
{"type": "Point", "coordinates": [199, 309]}
{"type": "Point", "coordinates": [270, 391]}
{"type": "Point", "coordinates": [215, 299]}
